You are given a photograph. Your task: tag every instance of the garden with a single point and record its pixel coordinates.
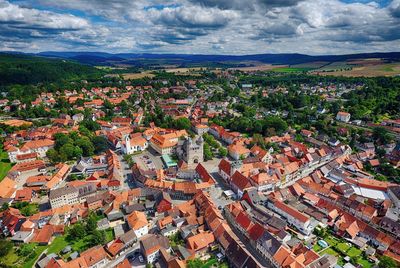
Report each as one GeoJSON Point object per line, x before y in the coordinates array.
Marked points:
{"type": "Point", "coordinates": [341, 248]}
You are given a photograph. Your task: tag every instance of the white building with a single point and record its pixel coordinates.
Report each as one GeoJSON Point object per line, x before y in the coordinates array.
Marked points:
{"type": "Point", "coordinates": [343, 117]}
{"type": "Point", "coordinates": [134, 144]}
{"type": "Point", "coordinates": [294, 217]}
{"type": "Point", "coordinates": [38, 147]}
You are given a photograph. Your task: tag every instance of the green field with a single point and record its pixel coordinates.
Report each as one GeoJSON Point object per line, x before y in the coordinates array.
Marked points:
{"type": "Point", "coordinates": [5, 164]}
{"type": "Point", "coordinates": [12, 259]}
{"type": "Point", "coordinates": [290, 70]}
{"type": "Point", "coordinates": [61, 242]}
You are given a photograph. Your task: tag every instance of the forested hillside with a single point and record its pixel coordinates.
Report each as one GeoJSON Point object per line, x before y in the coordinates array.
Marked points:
{"type": "Point", "coordinates": [26, 70]}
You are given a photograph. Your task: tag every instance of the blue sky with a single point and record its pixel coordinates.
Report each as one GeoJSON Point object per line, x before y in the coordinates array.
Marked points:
{"type": "Point", "coordinates": [201, 26]}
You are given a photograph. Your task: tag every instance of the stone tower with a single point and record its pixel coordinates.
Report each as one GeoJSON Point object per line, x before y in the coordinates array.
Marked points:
{"type": "Point", "coordinates": [192, 150]}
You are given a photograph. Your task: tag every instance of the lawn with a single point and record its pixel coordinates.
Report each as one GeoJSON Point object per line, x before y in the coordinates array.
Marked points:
{"type": "Point", "coordinates": [341, 250]}
{"type": "Point", "coordinates": [343, 247]}
{"type": "Point", "coordinates": [331, 240]}
{"type": "Point", "coordinates": [352, 252]}
{"type": "Point", "coordinates": [329, 251]}
{"type": "Point", "coordinates": [317, 247]}
{"type": "Point", "coordinates": [5, 164]}
{"type": "Point", "coordinates": [38, 250]}
{"type": "Point", "coordinates": [12, 259]}
{"type": "Point", "coordinates": [365, 263]}
{"type": "Point", "coordinates": [209, 263]}
{"type": "Point", "coordinates": [80, 245]}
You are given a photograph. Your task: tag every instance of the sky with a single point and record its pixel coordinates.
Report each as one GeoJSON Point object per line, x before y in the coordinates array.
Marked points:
{"type": "Point", "coordinates": [314, 27]}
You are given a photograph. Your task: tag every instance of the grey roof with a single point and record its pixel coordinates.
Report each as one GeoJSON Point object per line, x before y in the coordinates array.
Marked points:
{"type": "Point", "coordinates": [128, 237]}
{"type": "Point", "coordinates": [103, 222]}
{"type": "Point", "coordinates": [395, 190]}
{"type": "Point", "coordinates": [184, 252]}
{"type": "Point", "coordinates": [119, 230]}
{"type": "Point", "coordinates": [115, 216]}
{"type": "Point", "coordinates": [21, 236]}
{"type": "Point", "coordinates": [66, 249]}
{"type": "Point", "coordinates": [44, 261]}
{"type": "Point", "coordinates": [269, 243]}
{"type": "Point", "coordinates": [168, 229]}
{"type": "Point", "coordinates": [134, 207]}
{"type": "Point", "coordinates": [152, 241]}
{"type": "Point", "coordinates": [74, 255]}
{"type": "Point", "coordinates": [56, 193]}
{"type": "Point", "coordinates": [325, 261]}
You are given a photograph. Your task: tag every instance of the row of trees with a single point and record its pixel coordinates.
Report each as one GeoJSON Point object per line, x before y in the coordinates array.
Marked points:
{"type": "Point", "coordinates": [269, 126]}
{"type": "Point", "coordinates": [87, 230]}
{"type": "Point", "coordinates": [76, 144]}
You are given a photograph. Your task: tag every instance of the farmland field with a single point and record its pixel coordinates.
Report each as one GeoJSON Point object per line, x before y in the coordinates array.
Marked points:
{"type": "Point", "coordinates": [261, 67]}
{"type": "Point", "coordinates": [290, 70]}
{"type": "Point", "coordinates": [359, 68]}
{"type": "Point", "coordinates": [137, 75]}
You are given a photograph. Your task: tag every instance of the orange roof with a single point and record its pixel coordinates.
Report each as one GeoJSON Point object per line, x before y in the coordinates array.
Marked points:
{"type": "Point", "coordinates": [62, 171]}
{"type": "Point", "coordinates": [44, 235]}
{"type": "Point", "coordinates": [200, 241]}
{"type": "Point", "coordinates": [35, 144]}
{"type": "Point", "coordinates": [24, 194]}
{"type": "Point", "coordinates": [137, 220]}
{"type": "Point", "coordinates": [291, 211]}
{"type": "Point", "coordinates": [238, 148]}
{"type": "Point", "coordinates": [7, 187]}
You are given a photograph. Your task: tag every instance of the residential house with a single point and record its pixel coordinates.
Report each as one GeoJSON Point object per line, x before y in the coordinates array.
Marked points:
{"type": "Point", "coordinates": [151, 245]}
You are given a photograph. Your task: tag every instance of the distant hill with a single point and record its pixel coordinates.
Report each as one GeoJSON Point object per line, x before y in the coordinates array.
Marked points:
{"type": "Point", "coordinates": [184, 59]}
{"type": "Point", "coordinates": [26, 69]}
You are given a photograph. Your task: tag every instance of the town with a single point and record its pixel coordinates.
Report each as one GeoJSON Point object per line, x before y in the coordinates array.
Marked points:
{"type": "Point", "coordinates": [205, 172]}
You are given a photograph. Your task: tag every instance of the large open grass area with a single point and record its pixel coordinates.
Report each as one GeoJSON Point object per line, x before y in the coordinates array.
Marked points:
{"type": "Point", "coordinates": [80, 245]}
{"type": "Point", "coordinates": [13, 259]}
{"type": "Point", "coordinates": [5, 164]}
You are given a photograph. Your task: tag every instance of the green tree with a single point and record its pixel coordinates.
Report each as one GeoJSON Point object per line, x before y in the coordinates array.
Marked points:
{"type": "Point", "coordinates": [5, 247]}
{"type": "Point", "coordinates": [208, 155]}
{"type": "Point", "coordinates": [382, 134]}
{"type": "Point", "coordinates": [77, 231]}
{"type": "Point", "coordinates": [100, 144]}
{"type": "Point", "coordinates": [195, 263]}
{"type": "Point", "coordinates": [98, 237]}
{"type": "Point", "coordinates": [86, 145]}
{"type": "Point", "coordinates": [387, 262]}
{"type": "Point", "coordinates": [182, 123]}
{"type": "Point", "coordinates": [223, 151]}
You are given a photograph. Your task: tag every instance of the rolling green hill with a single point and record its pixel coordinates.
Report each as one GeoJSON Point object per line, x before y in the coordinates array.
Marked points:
{"type": "Point", "coordinates": [31, 70]}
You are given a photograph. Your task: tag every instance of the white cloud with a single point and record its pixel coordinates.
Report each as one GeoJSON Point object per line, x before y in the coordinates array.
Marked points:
{"type": "Point", "coordinates": [202, 26]}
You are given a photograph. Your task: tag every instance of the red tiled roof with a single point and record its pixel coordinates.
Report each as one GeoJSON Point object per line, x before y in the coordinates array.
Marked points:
{"type": "Point", "coordinates": [291, 211]}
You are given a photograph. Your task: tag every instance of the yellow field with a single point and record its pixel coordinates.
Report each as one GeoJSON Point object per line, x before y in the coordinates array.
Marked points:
{"type": "Point", "coordinates": [367, 70]}
{"type": "Point", "coordinates": [262, 67]}
{"type": "Point", "coordinates": [137, 75]}
{"type": "Point", "coordinates": [183, 70]}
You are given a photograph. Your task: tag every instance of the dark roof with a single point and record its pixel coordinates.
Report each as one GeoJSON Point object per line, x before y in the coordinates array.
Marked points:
{"type": "Point", "coordinates": [254, 196]}
{"type": "Point", "coordinates": [134, 207]}
{"type": "Point", "coordinates": [270, 243]}
{"type": "Point", "coordinates": [128, 237]}
{"type": "Point", "coordinates": [236, 255]}
{"type": "Point", "coordinates": [395, 190]}
{"type": "Point", "coordinates": [152, 242]}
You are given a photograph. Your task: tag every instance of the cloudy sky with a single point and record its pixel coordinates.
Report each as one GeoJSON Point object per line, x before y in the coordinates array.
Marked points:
{"type": "Point", "coordinates": [201, 26]}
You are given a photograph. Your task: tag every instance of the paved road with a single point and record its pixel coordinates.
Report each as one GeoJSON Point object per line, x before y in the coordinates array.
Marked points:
{"type": "Point", "coordinates": [127, 173]}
